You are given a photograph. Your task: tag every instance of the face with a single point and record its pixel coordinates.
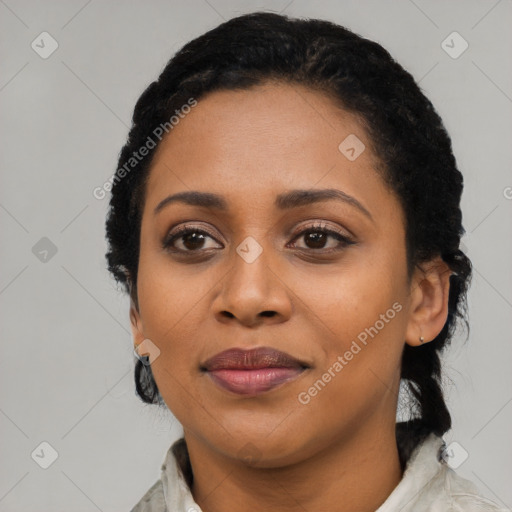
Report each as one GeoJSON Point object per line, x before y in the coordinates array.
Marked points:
{"type": "Point", "coordinates": [320, 277]}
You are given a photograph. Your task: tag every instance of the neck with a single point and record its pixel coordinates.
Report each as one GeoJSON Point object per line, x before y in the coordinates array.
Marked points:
{"type": "Point", "coordinates": [355, 474]}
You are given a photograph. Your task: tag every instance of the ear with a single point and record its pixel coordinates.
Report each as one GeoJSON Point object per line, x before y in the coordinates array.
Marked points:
{"type": "Point", "coordinates": [136, 324]}
{"type": "Point", "coordinates": [430, 289]}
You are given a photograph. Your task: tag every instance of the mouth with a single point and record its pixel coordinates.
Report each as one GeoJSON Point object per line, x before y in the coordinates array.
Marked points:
{"type": "Point", "coordinates": [251, 372]}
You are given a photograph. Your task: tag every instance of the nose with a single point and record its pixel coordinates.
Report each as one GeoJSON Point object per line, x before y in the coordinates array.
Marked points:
{"type": "Point", "coordinates": [253, 293]}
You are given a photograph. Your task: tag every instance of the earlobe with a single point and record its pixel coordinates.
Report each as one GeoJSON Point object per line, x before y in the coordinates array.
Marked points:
{"type": "Point", "coordinates": [430, 290]}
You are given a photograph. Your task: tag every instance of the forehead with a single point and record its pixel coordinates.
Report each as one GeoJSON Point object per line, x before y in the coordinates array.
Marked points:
{"type": "Point", "coordinates": [256, 142]}
{"type": "Point", "coordinates": [276, 117]}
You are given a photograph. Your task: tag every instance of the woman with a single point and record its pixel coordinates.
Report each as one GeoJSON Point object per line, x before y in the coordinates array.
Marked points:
{"type": "Point", "coordinates": [286, 220]}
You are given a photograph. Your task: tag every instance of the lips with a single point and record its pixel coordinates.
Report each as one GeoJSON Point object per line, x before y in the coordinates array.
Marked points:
{"type": "Point", "coordinates": [251, 372]}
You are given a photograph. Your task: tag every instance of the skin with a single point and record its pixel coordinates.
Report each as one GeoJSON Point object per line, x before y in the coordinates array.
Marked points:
{"type": "Point", "coordinates": [249, 146]}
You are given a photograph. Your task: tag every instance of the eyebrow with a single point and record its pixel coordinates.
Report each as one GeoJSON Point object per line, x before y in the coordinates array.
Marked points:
{"type": "Point", "coordinates": [284, 201]}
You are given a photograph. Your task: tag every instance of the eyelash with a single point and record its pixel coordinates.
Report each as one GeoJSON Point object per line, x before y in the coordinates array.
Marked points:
{"type": "Point", "coordinates": [317, 228]}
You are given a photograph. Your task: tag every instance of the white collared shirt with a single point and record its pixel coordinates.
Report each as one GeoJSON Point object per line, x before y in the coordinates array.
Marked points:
{"type": "Point", "coordinates": [428, 485]}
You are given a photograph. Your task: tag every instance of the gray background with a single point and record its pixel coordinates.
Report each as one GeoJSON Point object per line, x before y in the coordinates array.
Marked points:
{"type": "Point", "coordinates": [66, 371]}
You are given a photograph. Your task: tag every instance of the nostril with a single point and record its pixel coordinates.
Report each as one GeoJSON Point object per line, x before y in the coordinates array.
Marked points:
{"type": "Point", "coordinates": [268, 313]}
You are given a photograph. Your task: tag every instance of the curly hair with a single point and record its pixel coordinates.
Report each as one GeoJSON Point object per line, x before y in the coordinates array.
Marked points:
{"type": "Point", "coordinates": [413, 147]}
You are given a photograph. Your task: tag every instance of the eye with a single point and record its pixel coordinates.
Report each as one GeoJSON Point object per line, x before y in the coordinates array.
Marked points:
{"type": "Point", "coordinates": [190, 238]}
{"type": "Point", "coordinates": [317, 236]}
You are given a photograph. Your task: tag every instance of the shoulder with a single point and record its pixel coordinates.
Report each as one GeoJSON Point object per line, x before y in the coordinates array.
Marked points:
{"type": "Point", "coordinates": [430, 485]}
{"type": "Point", "coordinates": [153, 500]}
{"type": "Point", "coordinates": [171, 492]}
{"type": "Point", "coordinates": [462, 495]}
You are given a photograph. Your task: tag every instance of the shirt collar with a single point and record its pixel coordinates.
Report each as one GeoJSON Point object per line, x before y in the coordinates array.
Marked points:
{"type": "Point", "coordinates": [420, 472]}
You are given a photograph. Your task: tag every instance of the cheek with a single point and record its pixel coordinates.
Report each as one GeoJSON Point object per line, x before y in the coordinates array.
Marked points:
{"type": "Point", "coordinates": [169, 307]}
{"type": "Point", "coordinates": [352, 300]}
{"type": "Point", "coordinates": [170, 295]}
{"type": "Point", "coordinates": [363, 342]}
{"type": "Point", "coordinates": [362, 316]}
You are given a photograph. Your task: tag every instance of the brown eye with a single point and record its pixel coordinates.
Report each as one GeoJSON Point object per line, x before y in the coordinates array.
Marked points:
{"type": "Point", "coordinates": [190, 239]}
{"type": "Point", "coordinates": [317, 237]}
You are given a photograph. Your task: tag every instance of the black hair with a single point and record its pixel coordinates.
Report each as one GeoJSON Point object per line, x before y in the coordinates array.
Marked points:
{"type": "Point", "coordinates": [407, 134]}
